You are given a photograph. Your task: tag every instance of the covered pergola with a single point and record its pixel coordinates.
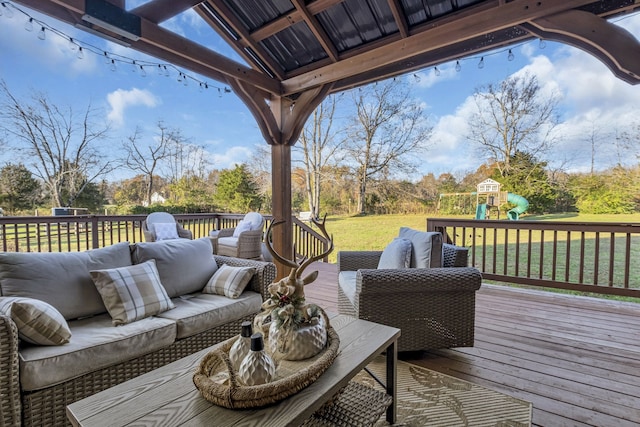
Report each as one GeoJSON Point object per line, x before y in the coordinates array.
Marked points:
{"type": "Point", "coordinates": [298, 52]}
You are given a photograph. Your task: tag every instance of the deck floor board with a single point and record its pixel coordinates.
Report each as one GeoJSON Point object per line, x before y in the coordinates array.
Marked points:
{"type": "Point", "coordinates": [577, 359]}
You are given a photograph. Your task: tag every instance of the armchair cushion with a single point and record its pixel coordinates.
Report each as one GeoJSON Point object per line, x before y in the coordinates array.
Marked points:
{"type": "Point", "coordinates": [241, 227]}
{"type": "Point", "coordinates": [132, 293]}
{"type": "Point", "coordinates": [166, 231]}
{"type": "Point", "coordinates": [37, 322]}
{"type": "Point", "coordinates": [426, 247]}
{"type": "Point", "coordinates": [397, 254]}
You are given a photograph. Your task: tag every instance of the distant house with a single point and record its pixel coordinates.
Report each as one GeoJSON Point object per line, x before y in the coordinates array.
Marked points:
{"type": "Point", "coordinates": [156, 198]}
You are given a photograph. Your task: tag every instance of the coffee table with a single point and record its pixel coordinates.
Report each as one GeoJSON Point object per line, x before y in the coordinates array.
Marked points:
{"type": "Point", "coordinates": [168, 397]}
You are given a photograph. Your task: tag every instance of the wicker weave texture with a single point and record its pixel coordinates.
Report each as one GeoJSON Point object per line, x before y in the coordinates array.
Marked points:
{"type": "Point", "coordinates": [433, 307]}
{"type": "Point", "coordinates": [356, 406]}
{"type": "Point", "coordinates": [47, 407]}
{"type": "Point", "coordinates": [249, 245]}
{"type": "Point", "coordinates": [9, 380]}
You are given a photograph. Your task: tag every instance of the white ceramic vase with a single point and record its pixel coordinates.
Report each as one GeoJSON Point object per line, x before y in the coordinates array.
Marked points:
{"type": "Point", "coordinates": [241, 347]}
{"type": "Point", "coordinates": [257, 367]}
{"type": "Point", "coordinates": [300, 342]}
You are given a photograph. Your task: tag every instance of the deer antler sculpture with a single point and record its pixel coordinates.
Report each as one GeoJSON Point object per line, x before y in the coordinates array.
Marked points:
{"type": "Point", "coordinates": [290, 290]}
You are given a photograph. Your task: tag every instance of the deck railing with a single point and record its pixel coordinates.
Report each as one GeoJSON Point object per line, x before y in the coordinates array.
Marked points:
{"type": "Point", "coordinates": [81, 232]}
{"type": "Point", "coordinates": [590, 257]}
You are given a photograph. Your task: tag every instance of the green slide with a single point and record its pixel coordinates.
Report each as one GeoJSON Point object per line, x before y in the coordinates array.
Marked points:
{"type": "Point", "coordinates": [521, 203]}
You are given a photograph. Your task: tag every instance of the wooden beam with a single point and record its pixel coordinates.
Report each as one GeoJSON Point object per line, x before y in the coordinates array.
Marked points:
{"type": "Point", "coordinates": [472, 25]}
{"type": "Point", "coordinates": [291, 18]}
{"type": "Point", "coordinates": [317, 30]}
{"type": "Point", "coordinates": [281, 203]}
{"type": "Point", "coordinates": [399, 17]}
{"type": "Point", "coordinates": [614, 46]}
{"type": "Point", "coordinates": [243, 40]}
{"type": "Point", "coordinates": [158, 11]}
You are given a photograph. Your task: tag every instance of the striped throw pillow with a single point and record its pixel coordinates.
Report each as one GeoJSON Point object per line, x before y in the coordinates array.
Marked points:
{"type": "Point", "coordinates": [229, 281]}
{"type": "Point", "coordinates": [37, 322]}
{"type": "Point", "coordinates": [132, 293]}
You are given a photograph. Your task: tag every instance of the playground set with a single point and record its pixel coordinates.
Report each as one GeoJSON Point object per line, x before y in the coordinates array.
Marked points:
{"type": "Point", "coordinates": [488, 199]}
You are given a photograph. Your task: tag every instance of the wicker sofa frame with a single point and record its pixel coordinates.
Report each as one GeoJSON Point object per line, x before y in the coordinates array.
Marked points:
{"type": "Point", "coordinates": [47, 407]}
{"type": "Point", "coordinates": [433, 307]}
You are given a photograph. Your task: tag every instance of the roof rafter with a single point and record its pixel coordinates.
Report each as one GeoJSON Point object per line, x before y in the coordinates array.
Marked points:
{"type": "Point", "coordinates": [399, 17]}
{"type": "Point", "coordinates": [500, 16]}
{"type": "Point", "coordinates": [158, 11]}
{"type": "Point", "coordinates": [317, 30]}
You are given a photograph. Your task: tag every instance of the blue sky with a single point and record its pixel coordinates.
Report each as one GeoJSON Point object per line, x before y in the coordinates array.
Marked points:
{"type": "Point", "coordinates": [591, 97]}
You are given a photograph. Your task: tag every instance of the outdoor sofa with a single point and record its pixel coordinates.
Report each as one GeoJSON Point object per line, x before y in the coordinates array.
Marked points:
{"type": "Point", "coordinates": [38, 381]}
{"type": "Point", "coordinates": [417, 284]}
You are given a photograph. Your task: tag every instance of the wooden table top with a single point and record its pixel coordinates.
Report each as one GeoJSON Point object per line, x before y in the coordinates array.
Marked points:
{"type": "Point", "coordinates": [168, 397]}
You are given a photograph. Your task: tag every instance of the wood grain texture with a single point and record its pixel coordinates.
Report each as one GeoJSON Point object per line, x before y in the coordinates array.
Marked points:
{"type": "Point", "coordinates": [168, 397]}
{"type": "Point", "coordinates": [577, 359]}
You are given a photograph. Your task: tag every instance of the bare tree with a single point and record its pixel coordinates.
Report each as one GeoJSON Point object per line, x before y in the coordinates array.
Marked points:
{"type": "Point", "coordinates": [184, 159]}
{"type": "Point", "coordinates": [318, 146]}
{"type": "Point", "coordinates": [62, 147]}
{"type": "Point", "coordinates": [388, 126]}
{"type": "Point", "coordinates": [259, 167]}
{"type": "Point", "coordinates": [513, 116]}
{"type": "Point", "coordinates": [145, 159]}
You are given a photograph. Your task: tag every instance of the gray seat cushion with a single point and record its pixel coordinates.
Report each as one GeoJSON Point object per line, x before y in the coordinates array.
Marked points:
{"type": "Point", "coordinates": [95, 343]}
{"type": "Point", "coordinates": [61, 279]}
{"type": "Point", "coordinates": [347, 281]}
{"type": "Point", "coordinates": [426, 247]}
{"type": "Point", "coordinates": [198, 312]}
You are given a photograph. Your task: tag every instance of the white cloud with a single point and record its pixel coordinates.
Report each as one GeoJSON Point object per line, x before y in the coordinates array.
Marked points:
{"type": "Point", "coordinates": [121, 99]}
{"type": "Point", "coordinates": [230, 157]}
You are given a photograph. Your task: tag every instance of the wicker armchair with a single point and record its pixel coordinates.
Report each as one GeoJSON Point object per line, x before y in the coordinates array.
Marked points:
{"type": "Point", "coordinates": [434, 307]}
{"type": "Point", "coordinates": [159, 218]}
{"type": "Point", "coordinates": [243, 241]}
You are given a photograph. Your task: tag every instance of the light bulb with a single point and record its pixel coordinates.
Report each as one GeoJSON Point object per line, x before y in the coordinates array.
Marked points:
{"type": "Point", "coordinates": [143, 73]}
{"type": "Point", "coordinates": [7, 10]}
{"type": "Point", "coordinates": [458, 66]}
{"type": "Point", "coordinates": [107, 60]}
{"type": "Point", "coordinates": [80, 54]}
{"type": "Point", "coordinates": [184, 80]}
{"type": "Point", "coordinates": [166, 71]}
{"type": "Point", "coordinates": [481, 63]}
{"type": "Point", "coordinates": [29, 25]}
{"type": "Point", "coordinates": [72, 45]}
{"type": "Point", "coordinates": [511, 56]}
{"type": "Point", "coordinates": [113, 65]}
{"type": "Point", "coordinates": [180, 76]}
{"type": "Point", "coordinates": [417, 77]}
{"type": "Point", "coordinates": [436, 71]}
{"type": "Point", "coordinates": [134, 66]}
{"type": "Point", "coordinates": [41, 34]}
{"type": "Point", "coordinates": [542, 44]}
{"type": "Point", "coordinates": [160, 70]}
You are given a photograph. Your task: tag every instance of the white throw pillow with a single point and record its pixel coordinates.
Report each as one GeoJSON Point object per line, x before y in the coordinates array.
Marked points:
{"type": "Point", "coordinates": [132, 293]}
{"type": "Point", "coordinates": [241, 227]}
{"type": "Point", "coordinates": [37, 322]}
{"type": "Point", "coordinates": [229, 281]}
{"type": "Point", "coordinates": [397, 254]}
{"type": "Point", "coordinates": [166, 230]}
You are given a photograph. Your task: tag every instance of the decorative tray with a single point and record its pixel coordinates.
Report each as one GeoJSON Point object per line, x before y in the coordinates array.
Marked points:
{"type": "Point", "coordinates": [219, 384]}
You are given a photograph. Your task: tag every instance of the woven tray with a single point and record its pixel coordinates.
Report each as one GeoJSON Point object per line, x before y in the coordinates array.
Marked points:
{"type": "Point", "coordinates": [218, 382]}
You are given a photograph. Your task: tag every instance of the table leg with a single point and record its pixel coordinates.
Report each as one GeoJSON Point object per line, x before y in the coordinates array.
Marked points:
{"type": "Point", "coordinates": [392, 386]}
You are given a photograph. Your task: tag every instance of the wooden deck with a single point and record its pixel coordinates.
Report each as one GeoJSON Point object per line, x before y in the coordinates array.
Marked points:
{"type": "Point", "coordinates": [576, 359]}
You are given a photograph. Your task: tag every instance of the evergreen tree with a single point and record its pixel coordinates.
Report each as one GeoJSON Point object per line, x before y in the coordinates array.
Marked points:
{"type": "Point", "coordinates": [18, 188]}
{"type": "Point", "coordinates": [236, 191]}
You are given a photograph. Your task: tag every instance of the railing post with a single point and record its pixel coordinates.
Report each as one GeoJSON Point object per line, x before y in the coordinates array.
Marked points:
{"type": "Point", "coordinates": [95, 241]}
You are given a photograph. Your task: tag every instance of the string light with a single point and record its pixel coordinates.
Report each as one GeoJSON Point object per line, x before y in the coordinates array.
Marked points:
{"type": "Point", "coordinates": [542, 44]}
{"type": "Point", "coordinates": [6, 9]}
{"type": "Point", "coordinates": [110, 59]}
{"type": "Point", "coordinates": [458, 66]}
{"type": "Point", "coordinates": [481, 63]}
{"type": "Point", "coordinates": [511, 56]}
{"type": "Point", "coordinates": [436, 71]}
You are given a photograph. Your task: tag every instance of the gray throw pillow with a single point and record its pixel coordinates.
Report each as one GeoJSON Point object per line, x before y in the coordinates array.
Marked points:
{"type": "Point", "coordinates": [397, 254]}
{"type": "Point", "coordinates": [185, 266]}
{"type": "Point", "coordinates": [61, 279]}
{"type": "Point", "coordinates": [426, 247]}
